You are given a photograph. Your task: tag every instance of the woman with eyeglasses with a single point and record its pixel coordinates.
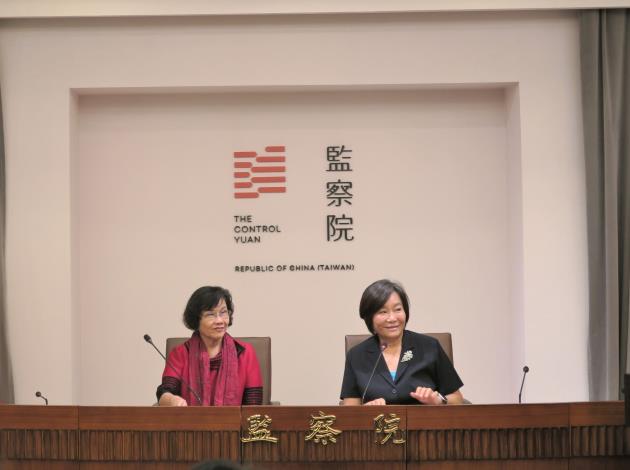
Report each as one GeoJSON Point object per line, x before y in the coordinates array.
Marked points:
{"type": "Point", "coordinates": [211, 368]}
{"type": "Point", "coordinates": [396, 365]}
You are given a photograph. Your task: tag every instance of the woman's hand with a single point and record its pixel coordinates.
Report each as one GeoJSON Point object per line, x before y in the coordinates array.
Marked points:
{"type": "Point", "coordinates": [168, 399]}
{"type": "Point", "coordinates": [178, 401]}
{"type": "Point", "coordinates": [377, 402]}
{"type": "Point", "coordinates": [427, 396]}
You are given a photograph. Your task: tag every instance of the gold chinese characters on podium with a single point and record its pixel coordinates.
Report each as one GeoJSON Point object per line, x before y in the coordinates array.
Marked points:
{"type": "Point", "coordinates": [321, 429]}
{"type": "Point", "coordinates": [258, 430]}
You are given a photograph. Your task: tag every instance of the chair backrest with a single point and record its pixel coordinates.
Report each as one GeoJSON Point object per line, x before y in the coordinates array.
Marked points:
{"type": "Point", "coordinates": [444, 338]}
{"type": "Point", "coordinates": [262, 346]}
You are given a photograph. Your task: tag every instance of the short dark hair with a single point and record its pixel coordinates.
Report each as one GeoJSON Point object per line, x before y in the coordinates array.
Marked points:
{"type": "Point", "coordinates": [376, 295]}
{"type": "Point", "coordinates": [203, 299]}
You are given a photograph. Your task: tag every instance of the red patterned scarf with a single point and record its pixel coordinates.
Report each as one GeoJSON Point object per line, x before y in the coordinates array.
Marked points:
{"type": "Point", "coordinates": [227, 390]}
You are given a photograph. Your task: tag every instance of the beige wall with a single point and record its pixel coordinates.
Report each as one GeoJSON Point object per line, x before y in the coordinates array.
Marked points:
{"type": "Point", "coordinates": [155, 212]}
{"type": "Point", "coordinates": [96, 8]}
{"type": "Point", "coordinates": [61, 344]}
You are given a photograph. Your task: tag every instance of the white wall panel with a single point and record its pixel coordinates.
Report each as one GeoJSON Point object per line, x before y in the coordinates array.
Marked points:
{"type": "Point", "coordinates": [533, 57]}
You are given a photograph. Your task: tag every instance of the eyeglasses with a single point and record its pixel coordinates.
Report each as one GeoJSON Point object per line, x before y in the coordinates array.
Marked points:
{"type": "Point", "coordinates": [213, 316]}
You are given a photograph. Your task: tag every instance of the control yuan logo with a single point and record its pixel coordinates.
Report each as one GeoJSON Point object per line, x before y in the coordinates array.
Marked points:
{"type": "Point", "coordinates": [256, 174]}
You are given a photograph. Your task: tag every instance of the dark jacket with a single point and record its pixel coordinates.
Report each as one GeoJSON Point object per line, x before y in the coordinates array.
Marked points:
{"type": "Point", "coordinates": [426, 365]}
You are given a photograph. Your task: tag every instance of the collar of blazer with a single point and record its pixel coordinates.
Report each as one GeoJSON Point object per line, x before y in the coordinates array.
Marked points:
{"type": "Point", "coordinates": [407, 345]}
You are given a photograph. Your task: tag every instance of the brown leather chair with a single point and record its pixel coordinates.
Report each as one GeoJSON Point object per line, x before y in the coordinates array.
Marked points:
{"type": "Point", "coordinates": [444, 338]}
{"type": "Point", "coordinates": [262, 346]}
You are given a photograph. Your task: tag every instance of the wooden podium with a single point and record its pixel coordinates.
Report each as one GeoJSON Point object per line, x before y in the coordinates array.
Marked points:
{"type": "Point", "coordinates": [532, 436]}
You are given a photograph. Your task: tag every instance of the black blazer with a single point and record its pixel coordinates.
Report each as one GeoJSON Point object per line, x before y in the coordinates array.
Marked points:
{"type": "Point", "coordinates": [426, 365]}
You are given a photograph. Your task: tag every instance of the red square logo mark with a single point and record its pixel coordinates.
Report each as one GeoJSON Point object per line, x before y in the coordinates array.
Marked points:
{"type": "Point", "coordinates": [256, 174]}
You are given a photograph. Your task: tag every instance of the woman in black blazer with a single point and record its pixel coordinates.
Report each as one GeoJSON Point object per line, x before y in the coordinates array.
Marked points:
{"type": "Point", "coordinates": [414, 368]}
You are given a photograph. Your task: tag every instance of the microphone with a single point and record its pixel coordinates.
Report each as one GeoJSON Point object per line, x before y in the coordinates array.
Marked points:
{"type": "Point", "coordinates": [383, 347]}
{"type": "Point", "coordinates": [38, 394]}
{"type": "Point", "coordinates": [525, 371]}
{"type": "Point", "coordinates": [148, 339]}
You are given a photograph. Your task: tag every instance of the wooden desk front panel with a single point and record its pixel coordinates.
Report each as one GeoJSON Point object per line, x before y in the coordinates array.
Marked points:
{"type": "Point", "coordinates": [599, 438]}
{"type": "Point", "coordinates": [355, 447]}
{"type": "Point", "coordinates": [577, 436]}
{"type": "Point", "coordinates": [488, 436]}
{"type": "Point", "coordinates": [38, 437]}
{"type": "Point", "coordinates": [152, 434]}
